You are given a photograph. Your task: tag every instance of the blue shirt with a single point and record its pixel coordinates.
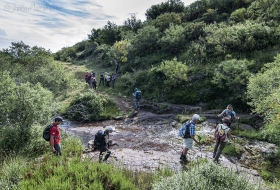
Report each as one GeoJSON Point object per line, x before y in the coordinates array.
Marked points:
{"type": "Point", "coordinates": [192, 129]}
{"type": "Point", "coordinates": [229, 113]}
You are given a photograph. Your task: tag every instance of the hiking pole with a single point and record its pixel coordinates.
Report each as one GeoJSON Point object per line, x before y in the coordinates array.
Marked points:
{"type": "Point", "coordinates": [199, 138]}
{"type": "Point", "coordinates": [238, 125]}
{"type": "Point", "coordinates": [235, 155]}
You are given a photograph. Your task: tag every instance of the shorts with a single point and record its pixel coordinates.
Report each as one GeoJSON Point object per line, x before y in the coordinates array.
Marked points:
{"type": "Point", "coordinates": [188, 143]}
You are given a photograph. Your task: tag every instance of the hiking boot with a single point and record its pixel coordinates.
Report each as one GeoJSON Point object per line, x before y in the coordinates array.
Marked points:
{"type": "Point", "coordinates": [217, 161]}
{"type": "Point", "coordinates": [183, 159]}
{"type": "Point", "coordinates": [214, 154]}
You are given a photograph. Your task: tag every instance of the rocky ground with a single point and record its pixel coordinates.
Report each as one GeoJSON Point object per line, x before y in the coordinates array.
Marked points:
{"type": "Point", "coordinates": [148, 140]}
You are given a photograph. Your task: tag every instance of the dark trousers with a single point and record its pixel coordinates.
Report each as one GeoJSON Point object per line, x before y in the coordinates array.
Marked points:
{"type": "Point", "coordinates": [113, 83]}
{"type": "Point", "coordinates": [101, 81]}
{"type": "Point", "coordinates": [57, 150]}
{"type": "Point", "coordinates": [104, 149]}
{"type": "Point", "coordinates": [94, 85]}
{"type": "Point", "coordinates": [219, 147]}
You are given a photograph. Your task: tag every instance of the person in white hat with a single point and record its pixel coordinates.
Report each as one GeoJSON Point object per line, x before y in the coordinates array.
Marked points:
{"type": "Point", "coordinates": [188, 142]}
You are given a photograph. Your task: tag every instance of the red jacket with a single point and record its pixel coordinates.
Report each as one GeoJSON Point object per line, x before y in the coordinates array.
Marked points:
{"type": "Point", "coordinates": [55, 131]}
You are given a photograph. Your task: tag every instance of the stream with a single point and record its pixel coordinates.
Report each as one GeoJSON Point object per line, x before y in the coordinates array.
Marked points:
{"type": "Point", "coordinates": [151, 145]}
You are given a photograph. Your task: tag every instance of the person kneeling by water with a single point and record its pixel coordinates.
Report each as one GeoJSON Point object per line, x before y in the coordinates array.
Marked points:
{"type": "Point", "coordinates": [101, 141]}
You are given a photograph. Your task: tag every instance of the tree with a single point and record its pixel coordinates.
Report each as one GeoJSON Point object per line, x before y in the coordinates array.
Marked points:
{"type": "Point", "coordinates": [238, 15]}
{"type": "Point", "coordinates": [171, 73]}
{"type": "Point", "coordinates": [164, 20]}
{"type": "Point", "coordinates": [145, 41]}
{"type": "Point", "coordinates": [231, 76]}
{"type": "Point", "coordinates": [109, 34]}
{"type": "Point", "coordinates": [175, 6]}
{"type": "Point", "coordinates": [132, 23]}
{"type": "Point", "coordinates": [123, 47]}
{"type": "Point", "coordinates": [263, 93]}
{"type": "Point", "coordinates": [173, 40]}
{"type": "Point", "coordinates": [31, 58]}
{"type": "Point", "coordinates": [21, 106]}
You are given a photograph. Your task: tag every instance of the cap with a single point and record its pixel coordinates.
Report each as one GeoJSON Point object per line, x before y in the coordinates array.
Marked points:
{"type": "Point", "coordinates": [135, 89]}
{"type": "Point", "coordinates": [110, 129]}
{"type": "Point", "coordinates": [196, 117]}
{"type": "Point", "coordinates": [58, 118]}
{"type": "Point", "coordinates": [229, 106]}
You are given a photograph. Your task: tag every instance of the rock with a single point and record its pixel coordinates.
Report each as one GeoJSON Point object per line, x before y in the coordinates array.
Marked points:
{"type": "Point", "coordinates": [174, 123]}
{"type": "Point", "coordinates": [119, 118]}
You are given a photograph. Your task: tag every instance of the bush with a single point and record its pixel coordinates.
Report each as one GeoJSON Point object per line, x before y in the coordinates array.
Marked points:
{"type": "Point", "coordinates": [91, 107]}
{"type": "Point", "coordinates": [73, 173]}
{"type": "Point", "coordinates": [12, 172]}
{"type": "Point", "coordinates": [203, 177]}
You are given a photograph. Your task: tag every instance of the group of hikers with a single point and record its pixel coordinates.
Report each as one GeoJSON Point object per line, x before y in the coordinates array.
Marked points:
{"type": "Point", "coordinates": [222, 134]}
{"type": "Point", "coordinates": [104, 78]}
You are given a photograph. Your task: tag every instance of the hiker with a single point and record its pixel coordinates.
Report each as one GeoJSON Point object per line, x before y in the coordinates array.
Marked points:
{"type": "Point", "coordinates": [113, 80]}
{"type": "Point", "coordinates": [93, 73]}
{"type": "Point", "coordinates": [55, 136]}
{"type": "Point", "coordinates": [87, 77]}
{"type": "Point", "coordinates": [222, 135]}
{"type": "Point", "coordinates": [101, 79]}
{"type": "Point", "coordinates": [107, 79]}
{"type": "Point", "coordinates": [90, 82]}
{"type": "Point", "coordinates": [117, 67]}
{"type": "Point", "coordinates": [94, 83]}
{"type": "Point", "coordinates": [137, 96]}
{"type": "Point", "coordinates": [102, 142]}
{"type": "Point", "coordinates": [228, 112]}
{"type": "Point", "coordinates": [188, 142]}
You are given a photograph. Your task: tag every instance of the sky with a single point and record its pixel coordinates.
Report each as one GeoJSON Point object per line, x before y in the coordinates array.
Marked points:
{"type": "Point", "coordinates": [54, 24]}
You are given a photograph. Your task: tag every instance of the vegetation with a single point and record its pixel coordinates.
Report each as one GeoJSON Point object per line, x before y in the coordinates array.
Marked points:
{"type": "Point", "coordinates": [209, 175]}
{"type": "Point", "coordinates": [212, 51]}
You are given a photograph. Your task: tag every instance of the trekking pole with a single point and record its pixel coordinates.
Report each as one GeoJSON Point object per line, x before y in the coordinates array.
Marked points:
{"type": "Point", "coordinates": [235, 155]}
{"type": "Point", "coordinates": [238, 125]}
{"type": "Point", "coordinates": [199, 138]}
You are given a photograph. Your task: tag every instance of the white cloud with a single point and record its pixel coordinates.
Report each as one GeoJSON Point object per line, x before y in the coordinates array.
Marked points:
{"type": "Point", "coordinates": [53, 24]}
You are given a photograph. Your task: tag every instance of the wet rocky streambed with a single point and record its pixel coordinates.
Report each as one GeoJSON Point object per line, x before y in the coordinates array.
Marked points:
{"type": "Point", "coordinates": [148, 141]}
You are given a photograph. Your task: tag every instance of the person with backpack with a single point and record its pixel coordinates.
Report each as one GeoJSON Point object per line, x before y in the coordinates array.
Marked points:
{"type": "Point", "coordinates": [107, 79]}
{"type": "Point", "coordinates": [101, 79]}
{"type": "Point", "coordinates": [137, 96]}
{"type": "Point", "coordinates": [55, 136]}
{"type": "Point", "coordinates": [87, 77]}
{"type": "Point", "coordinates": [189, 137]}
{"type": "Point", "coordinates": [229, 113]}
{"type": "Point", "coordinates": [222, 135]}
{"type": "Point", "coordinates": [101, 141]}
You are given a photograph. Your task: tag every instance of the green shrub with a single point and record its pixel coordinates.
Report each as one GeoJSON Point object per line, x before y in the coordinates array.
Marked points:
{"type": "Point", "coordinates": [73, 173]}
{"type": "Point", "coordinates": [11, 172]}
{"type": "Point", "coordinates": [91, 107]}
{"type": "Point", "coordinates": [205, 176]}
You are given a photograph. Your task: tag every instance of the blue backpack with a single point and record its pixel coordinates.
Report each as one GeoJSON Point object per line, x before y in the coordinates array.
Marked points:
{"type": "Point", "coordinates": [184, 132]}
